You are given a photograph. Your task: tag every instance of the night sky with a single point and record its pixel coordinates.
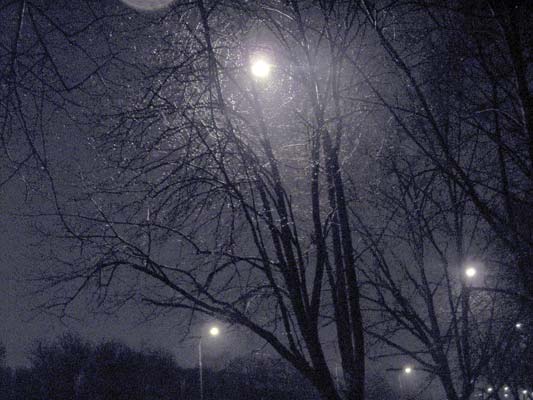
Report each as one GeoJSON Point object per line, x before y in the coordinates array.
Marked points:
{"type": "Point", "coordinates": [22, 325]}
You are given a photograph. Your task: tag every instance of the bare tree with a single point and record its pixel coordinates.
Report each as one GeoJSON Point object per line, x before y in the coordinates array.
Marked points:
{"type": "Point", "coordinates": [50, 52]}
{"type": "Point", "coordinates": [427, 312]}
{"type": "Point", "coordinates": [454, 190]}
{"type": "Point", "coordinates": [483, 81]}
{"type": "Point", "coordinates": [222, 194]}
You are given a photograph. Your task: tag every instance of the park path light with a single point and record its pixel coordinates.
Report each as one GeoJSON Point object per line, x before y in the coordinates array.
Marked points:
{"type": "Point", "coordinates": [518, 325]}
{"type": "Point", "coordinates": [260, 67]}
{"type": "Point", "coordinates": [408, 369]}
{"type": "Point", "coordinates": [214, 331]}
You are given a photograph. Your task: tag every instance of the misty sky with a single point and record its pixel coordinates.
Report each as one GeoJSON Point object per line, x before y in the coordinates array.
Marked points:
{"type": "Point", "coordinates": [21, 325]}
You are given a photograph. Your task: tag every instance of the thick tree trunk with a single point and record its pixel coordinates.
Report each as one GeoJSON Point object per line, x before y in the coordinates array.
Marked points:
{"type": "Point", "coordinates": [351, 337]}
{"type": "Point", "coordinates": [326, 386]}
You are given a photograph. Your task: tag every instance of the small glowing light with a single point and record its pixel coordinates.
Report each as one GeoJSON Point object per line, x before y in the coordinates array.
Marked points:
{"type": "Point", "coordinates": [505, 395]}
{"type": "Point", "coordinates": [470, 272]}
{"type": "Point", "coordinates": [489, 389]}
{"type": "Point", "coordinates": [408, 370]}
{"type": "Point", "coordinates": [505, 388]}
{"type": "Point", "coordinates": [214, 331]}
{"type": "Point", "coordinates": [518, 325]}
{"type": "Point", "coordinates": [260, 68]}
{"type": "Point", "coordinates": [524, 391]}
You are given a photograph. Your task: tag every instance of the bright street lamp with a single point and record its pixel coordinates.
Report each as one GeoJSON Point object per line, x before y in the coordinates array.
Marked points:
{"type": "Point", "coordinates": [408, 370]}
{"type": "Point", "coordinates": [518, 325]}
{"type": "Point", "coordinates": [260, 68]}
{"type": "Point", "coordinates": [214, 331]}
{"type": "Point", "coordinates": [470, 272]}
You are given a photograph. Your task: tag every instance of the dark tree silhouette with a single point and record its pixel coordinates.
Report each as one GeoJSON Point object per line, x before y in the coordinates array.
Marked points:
{"type": "Point", "coordinates": [57, 366]}
{"type": "Point", "coordinates": [49, 52]}
{"type": "Point", "coordinates": [71, 368]}
{"type": "Point", "coordinates": [482, 89]}
{"type": "Point", "coordinates": [220, 200]}
{"type": "Point", "coordinates": [5, 375]}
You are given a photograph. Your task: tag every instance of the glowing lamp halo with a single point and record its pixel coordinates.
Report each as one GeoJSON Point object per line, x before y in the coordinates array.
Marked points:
{"type": "Point", "coordinates": [214, 331]}
{"type": "Point", "coordinates": [260, 67]}
{"type": "Point", "coordinates": [470, 272]}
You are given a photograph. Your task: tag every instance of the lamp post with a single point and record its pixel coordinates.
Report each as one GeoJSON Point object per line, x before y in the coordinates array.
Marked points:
{"type": "Point", "coordinates": [213, 331]}
{"type": "Point", "coordinates": [470, 273]}
{"type": "Point", "coordinates": [407, 370]}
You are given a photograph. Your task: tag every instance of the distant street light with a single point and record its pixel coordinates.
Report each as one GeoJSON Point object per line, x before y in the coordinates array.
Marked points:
{"type": "Point", "coordinates": [213, 331]}
{"type": "Point", "coordinates": [518, 325]}
{"type": "Point", "coordinates": [470, 272]}
{"type": "Point", "coordinates": [260, 68]}
{"type": "Point", "coordinates": [407, 370]}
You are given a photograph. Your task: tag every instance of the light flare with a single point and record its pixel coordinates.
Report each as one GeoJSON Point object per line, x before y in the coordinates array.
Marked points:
{"type": "Point", "coordinates": [260, 68]}
{"type": "Point", "coordinates": [470, 272]}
